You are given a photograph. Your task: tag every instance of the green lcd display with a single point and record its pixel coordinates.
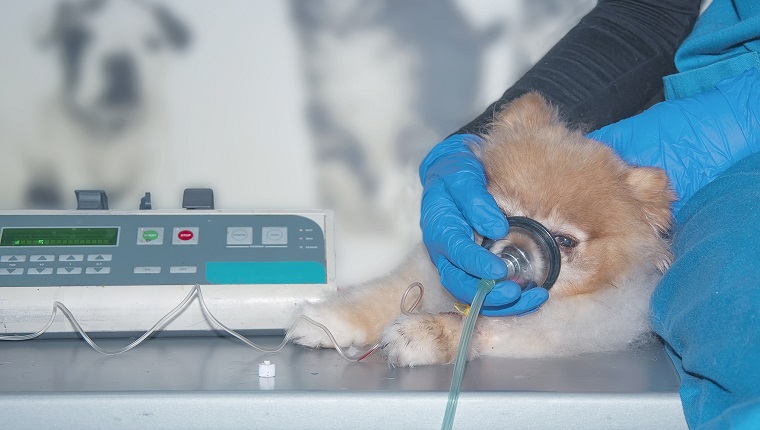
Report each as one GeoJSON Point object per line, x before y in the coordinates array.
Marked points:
{"type": "Point", "coordinates": [59, 236]}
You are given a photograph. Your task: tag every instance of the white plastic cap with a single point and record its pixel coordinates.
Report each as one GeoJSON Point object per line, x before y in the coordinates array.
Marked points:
{"type": "Point", "coordinates": [266, 369]}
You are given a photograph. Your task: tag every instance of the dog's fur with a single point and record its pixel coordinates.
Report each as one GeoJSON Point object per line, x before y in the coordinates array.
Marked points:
{"type": "Point", "coordinates": [579, 189]}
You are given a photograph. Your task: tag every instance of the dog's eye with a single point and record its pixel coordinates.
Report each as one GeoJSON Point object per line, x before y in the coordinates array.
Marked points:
{"type": "Point", "coordinates": [565, 242]}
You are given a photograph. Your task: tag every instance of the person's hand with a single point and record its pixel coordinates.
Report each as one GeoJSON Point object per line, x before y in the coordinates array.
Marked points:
{"type": "Point", "coordinates": [455, 201]}
{"type": "Point", "coordinates": [694, 139]}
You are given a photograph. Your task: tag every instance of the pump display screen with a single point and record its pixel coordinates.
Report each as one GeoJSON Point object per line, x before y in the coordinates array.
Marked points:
{"type": "Point", "coordinates": [60, 236]}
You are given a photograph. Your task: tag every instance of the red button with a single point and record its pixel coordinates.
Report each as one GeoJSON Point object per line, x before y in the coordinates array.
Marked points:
{"type": "Point", "coordinates": [185, 235]}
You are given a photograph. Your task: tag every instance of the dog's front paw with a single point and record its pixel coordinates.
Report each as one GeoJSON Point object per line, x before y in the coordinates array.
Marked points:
{"type": "Point", "coordinates": [343, 329]}
{"type": "Point", "coordinates": [419, 339]}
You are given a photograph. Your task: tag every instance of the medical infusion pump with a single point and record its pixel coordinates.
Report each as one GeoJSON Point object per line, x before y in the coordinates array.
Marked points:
{"type": "Point", "coordinates": [121, 271]}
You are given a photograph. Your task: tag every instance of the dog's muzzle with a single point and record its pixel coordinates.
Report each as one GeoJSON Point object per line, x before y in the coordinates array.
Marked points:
{"type": "Point", "coordinates": [530, 252]}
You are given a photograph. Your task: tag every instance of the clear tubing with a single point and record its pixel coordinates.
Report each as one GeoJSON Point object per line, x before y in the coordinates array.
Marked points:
{"type": "Point", "coordinates": [195, 292]}
{"type": "Point", "coordinates": [484, 287]}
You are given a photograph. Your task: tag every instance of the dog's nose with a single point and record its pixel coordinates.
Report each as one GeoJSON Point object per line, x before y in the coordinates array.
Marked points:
{"type": "Point", "coordinates": [121, 77]}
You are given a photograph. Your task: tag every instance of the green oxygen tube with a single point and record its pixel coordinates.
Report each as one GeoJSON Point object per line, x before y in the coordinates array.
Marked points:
{"type": "Point", "coordinates": [484, 287]}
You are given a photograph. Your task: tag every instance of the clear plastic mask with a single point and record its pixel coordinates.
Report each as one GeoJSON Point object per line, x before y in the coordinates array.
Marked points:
{"type": "Point", "coordinates": [530, 252]}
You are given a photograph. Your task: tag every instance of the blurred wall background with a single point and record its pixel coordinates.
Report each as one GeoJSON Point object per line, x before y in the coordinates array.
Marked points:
{"type": "Point", "coordinates": [274, 104]}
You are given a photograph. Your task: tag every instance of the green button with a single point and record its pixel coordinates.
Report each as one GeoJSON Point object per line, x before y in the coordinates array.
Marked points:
{"type": "Point", "coordinates": [150, 235]}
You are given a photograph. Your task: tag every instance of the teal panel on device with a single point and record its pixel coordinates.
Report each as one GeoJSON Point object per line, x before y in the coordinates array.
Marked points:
{"type": "Point", "coordinates": [266, 272]}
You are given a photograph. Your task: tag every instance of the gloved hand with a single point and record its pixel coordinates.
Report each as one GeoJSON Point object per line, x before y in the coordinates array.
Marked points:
{"type": "Point", "coordinates": [694, 139]}
{"type": "Point", "coordinates": [455, 201]}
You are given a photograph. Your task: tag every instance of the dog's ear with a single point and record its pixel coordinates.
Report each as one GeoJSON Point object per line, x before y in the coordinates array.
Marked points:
{"type": "Point", "coordinates": [50, 26]}
{"type": "Point", "coordinates": [650, 187]}
{"type": "Point", "coordinates": [175, 31]}
{"type": "Point", "coordinates": [530, 111]}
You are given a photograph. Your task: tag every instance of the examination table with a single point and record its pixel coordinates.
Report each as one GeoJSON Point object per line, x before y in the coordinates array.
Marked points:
{"type": "Point", "coordinates": [213, 383]}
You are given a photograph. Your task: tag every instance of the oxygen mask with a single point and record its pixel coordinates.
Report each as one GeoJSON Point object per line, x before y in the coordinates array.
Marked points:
{"type": "Point", "coordinates": [530, 253]}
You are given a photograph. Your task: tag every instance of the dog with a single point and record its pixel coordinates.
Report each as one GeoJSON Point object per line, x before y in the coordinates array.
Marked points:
{"type": "Point", "coordinates": [609, 219]}
{"type": "Point", "coordinates": [103, 127]}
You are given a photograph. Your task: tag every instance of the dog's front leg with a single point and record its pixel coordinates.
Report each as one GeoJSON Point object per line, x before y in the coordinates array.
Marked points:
{"type": "Point", "coordinates": [355, 316]}
{"type": "Point", "coordinates": [358, 315]}
{"type": "Point", "coordinates": [421, 339]}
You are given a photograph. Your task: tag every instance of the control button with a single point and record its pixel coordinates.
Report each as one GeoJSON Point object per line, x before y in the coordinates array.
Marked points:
{"type": "Point", "coordinates": [183, 269]}
{"type": "Point", "coordinates": [97, 270]}
{"type": "Point", "coordinates": [150, 236]}
{"type": "Point", "coordinates": [12, 271]}
{"type": "Point", "coordinates": [274, 235]}
{"type": "Point", "coordinates": [147, 269]}
{"type": "Point", "coordinates": [70, 257]}
{"type": "Point", "coordinates": [185, 236]}
{"type": "Point", "coordinates": [69, 271]}
{"type": "Point", "coordinates": [239, 235]}
{"type": "Point", "coordinates": [99, 257]}
{"type": "Point", "coordinates": [42, 258]}
{"type": "Point", "coordinates": [12, 258]}
{"type": "Point", "coordinates": [40, 271]}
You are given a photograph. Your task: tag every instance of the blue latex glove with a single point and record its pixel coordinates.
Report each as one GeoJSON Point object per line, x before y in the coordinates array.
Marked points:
{"type": "Point", "coordinates": [455, 201]}
{"type": "Point", "coordinates": [694, 139]}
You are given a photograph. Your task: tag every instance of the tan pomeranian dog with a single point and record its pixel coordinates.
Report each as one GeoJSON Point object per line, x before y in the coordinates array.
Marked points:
{"type": "Point", "coordinates": [608, 218]}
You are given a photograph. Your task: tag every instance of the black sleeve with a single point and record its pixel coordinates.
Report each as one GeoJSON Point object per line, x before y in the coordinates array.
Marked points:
{"type": "Point", "coordinates": [609, 66]}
